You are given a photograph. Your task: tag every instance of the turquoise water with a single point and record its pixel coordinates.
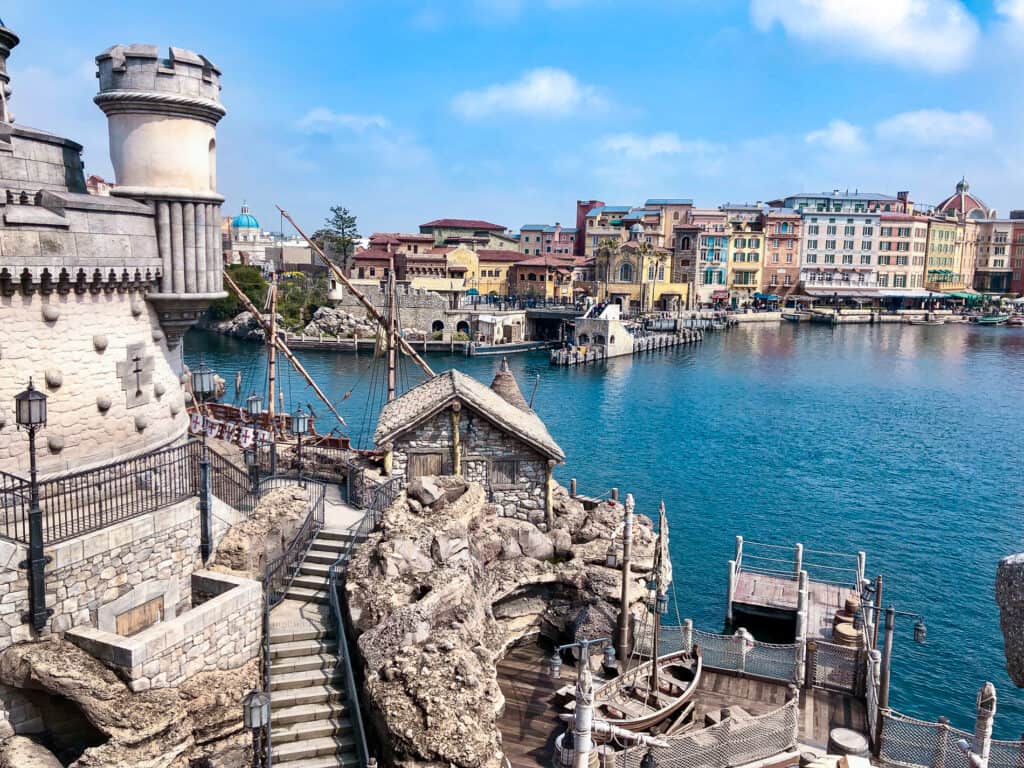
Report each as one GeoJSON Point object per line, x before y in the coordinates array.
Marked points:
{"type": "Point", "coordinates": [901, 441]}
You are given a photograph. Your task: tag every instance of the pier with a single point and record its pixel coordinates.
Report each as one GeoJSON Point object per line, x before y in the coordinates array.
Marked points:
{"type": "Point", "coordinates": [582, 355]}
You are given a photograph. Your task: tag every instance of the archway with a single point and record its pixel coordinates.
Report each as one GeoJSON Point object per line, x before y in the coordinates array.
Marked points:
{"type": "Point", "coordinates": [437, 326]}
{"type": "Point", "coordinates": [583, 338]}
{"type": "Point", "coordinates": [626, 273]}
{"type": "Point", "coordinates": [462, 327]}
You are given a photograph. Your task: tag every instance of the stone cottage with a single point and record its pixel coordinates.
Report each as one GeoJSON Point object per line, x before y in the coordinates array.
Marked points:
{"type": "Point", "coordinates": [453, 424]}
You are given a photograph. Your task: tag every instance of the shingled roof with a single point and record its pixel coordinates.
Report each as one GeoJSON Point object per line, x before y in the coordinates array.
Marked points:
{"type": "Point", "coordinates": [434, 395]}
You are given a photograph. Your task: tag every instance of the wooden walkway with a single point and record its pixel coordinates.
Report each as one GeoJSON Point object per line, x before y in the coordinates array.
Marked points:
{"type": "Point", "coordinates": [775, 593]}
{"type": "Point", "coordinates": [530, 722]}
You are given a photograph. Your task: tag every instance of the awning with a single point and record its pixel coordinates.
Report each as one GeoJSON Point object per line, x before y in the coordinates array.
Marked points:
{"type": "Point", "coordinates": [962, 295]}
{"type": "Point", "coordinates": [910, 294]}
{"type": "Point", "coordinates": [719, 294]}
{"type": "Point", "coordinates": [769, 297]}
{"type": "Point", "coordinates": [472, 292]}
{"type": "Point", "coordinates": [843, 293]}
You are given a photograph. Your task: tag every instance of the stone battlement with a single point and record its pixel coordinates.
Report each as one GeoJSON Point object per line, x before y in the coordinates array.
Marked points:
{"type": "Point", "coordinates": [132, 76]}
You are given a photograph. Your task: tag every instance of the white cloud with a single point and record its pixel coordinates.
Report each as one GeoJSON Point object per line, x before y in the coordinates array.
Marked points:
{"type": "Point", "coordinates": [639, 147]}
{"type": "Point", "coordinates": [936, 35]}
{"type": "Point", "coordinates": [935, 128]}
{"type": "Point", "coordinates": [1011, 9]}
{"type": "Point", "coordinates": [325, 120]}
{"type": "Point", "coordinates": [544, 92]}
{"type": "Point", "coordinates": [838, 135]}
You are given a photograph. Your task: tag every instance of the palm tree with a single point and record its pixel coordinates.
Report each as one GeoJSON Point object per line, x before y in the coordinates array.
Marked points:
{"type": "Point", "coordinates": [608, 248]}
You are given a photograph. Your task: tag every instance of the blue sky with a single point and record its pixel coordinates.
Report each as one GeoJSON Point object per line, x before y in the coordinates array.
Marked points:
{"type": "Point", "coordinates": [510, 110]}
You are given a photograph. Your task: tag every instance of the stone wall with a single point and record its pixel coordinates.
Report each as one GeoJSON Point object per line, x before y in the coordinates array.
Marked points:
{"type": "Point", "coordinates": [92, 571]}
{"type": "Point", "coordinates": [221, 633]}
{"type": "Point", "coordinates": [481, 444]}
{"type": "Point", "coordinates": [417, 309]}
{"type": "Point", "coordinates": [79, 350]}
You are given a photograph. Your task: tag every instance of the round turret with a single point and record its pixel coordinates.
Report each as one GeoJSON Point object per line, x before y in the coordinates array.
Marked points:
{"type": "Point", "coordinates": [7, 41]}
{"type": "Point", "coordinates": [162, 115]}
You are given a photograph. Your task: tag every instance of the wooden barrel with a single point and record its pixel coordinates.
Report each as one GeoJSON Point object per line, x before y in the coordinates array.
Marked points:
{"type": "Point", "coordinates": [842, 617]}
{"type": "Point", "coordinates": [564, 756]}
{"type": "Point", "coordinates": [852, 604]}
{"type": "Point", "coordinates": [844, 634]}
{"type": "Point", "coordinates": [845, 741]}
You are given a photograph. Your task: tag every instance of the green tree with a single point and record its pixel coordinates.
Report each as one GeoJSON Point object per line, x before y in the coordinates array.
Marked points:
{"type": "Point", "coordinates": [339, 234]}
{"type": "Point", "coordinates": [299, 296]}
{"type": "Point", "coordinates": [250, 280]}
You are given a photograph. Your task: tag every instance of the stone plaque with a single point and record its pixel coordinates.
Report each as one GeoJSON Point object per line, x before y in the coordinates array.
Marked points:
{"type": "Point", "coordinates": [136, 375]}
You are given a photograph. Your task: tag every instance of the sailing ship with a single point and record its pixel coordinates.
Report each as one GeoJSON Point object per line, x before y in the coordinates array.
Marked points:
{"type": "Point", "coordinates": [647, 695]}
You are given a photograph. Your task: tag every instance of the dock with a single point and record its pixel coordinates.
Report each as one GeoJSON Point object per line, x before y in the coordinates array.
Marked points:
{"type": "Point", "coordinates": [593, 353]}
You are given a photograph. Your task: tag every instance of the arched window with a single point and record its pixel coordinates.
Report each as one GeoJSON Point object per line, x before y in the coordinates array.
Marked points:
{"type": "Point", "coordinates": [532, 276]}
{"type": "Point", "coordinates": [626, 272]}
{"type": "Point", "coordinates": [213, 164]}
{"type": "Point", "coordinates": [784, 227]}
{"type": "Point", "coordinates": [684, 244]}
{"type": "Point", "coordinates": [437, 326]}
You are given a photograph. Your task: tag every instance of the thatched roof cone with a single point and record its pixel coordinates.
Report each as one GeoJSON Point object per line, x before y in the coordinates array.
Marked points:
{"type": "Point", "coordinates": [505, 385]}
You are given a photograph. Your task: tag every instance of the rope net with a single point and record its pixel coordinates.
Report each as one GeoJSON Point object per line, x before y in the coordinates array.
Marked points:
{"type": "Point", "coordinates": [729, 743]}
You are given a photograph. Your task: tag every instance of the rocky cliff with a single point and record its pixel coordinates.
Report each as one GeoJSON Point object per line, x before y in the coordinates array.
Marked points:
{"type": "Point", "coordinates": [446, 586]}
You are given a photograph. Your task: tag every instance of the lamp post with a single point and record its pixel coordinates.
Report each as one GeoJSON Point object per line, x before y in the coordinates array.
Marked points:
{"type": "Point", "coordinates": [30, 413]}
{"type": "Point", "coordinates": [253, 465]}
{"type": "Point", "coordinates": [203, 387]}
{"type": "Point", "coordinates": [584, 724]}
{"type": "Point", "coordinates": [300, 426]}
{"type": "Point", "coordinates": [622, 646]}
{"type": "Point", "coordinates": [254, 407]}
{"type": "Point", "coordinates": [256, 717]}
{"type": "Point", "coordinates": [920, 634]}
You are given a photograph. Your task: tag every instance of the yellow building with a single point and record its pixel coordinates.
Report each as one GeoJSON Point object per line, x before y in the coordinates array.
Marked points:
{"type": "Point", "coordinates": [746, 252]}
{"type": "Point", "coordinates": [542, 277]}
{"type": "Point", "coordinates": [492, 276]}
{"type": "Point", "coordinates": [639, 276]}
{"type": "Point", "coordinates": [944, 270]}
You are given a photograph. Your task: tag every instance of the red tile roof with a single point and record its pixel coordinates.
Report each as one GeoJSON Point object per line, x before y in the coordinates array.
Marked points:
{"type": "Point", "coordinates": [495, 254]}
{"type": "Point", "coordinates": [464, 224]}
{"type": "Point", "coordinates": [373, 254]}
{"type": "Point", "coordinates": [550, 261]}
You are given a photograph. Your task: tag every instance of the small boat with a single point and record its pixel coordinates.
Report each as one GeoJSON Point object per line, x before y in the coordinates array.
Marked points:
{"type": "Point", "coordinates": [992, 319]}
{"type": "Point", "coordinates": [1016, 321]}
{"type": "Point", "coordinates": [648, 694]}
{"type": "Point", "coordinates": [927, 321]}
{"type": "Point", "coordinates": [796, 317]}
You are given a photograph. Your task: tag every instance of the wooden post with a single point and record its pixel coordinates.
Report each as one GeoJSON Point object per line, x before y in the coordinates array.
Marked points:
{"type": "Point", "coordinates": [731, 591]}
{"type": "Point", "coordinates": [983, 722]}
{"type": "Point", "coordinates": [811, 666]}
{"type": "Point", "coordinates": [622, 646]}
{"type": "Point", "coordinates": [572, 488]}
{"type": "Point", "coordinates": [615, 495]}
{"type": "Point", "coordinates": [886, 667]}
{"type": "Point", "coordinates": [456, 439]}
{"type": "Point", "coordinates": [739, 551]}
{"type": "Point", "coordinates": [549, 495]}
{"type": "Point", "coordinates": [878, 609]}
{"type": "Point", "coordinates": [798, 560]}
{"type": "Point", "coordinates": [389, 458]}
{"type": "Point", "coordinates": [861, 562]}
{"type": "Point", "coordinates": [939, 760]}
{"type": "Point", "coordinates": [688, 634]}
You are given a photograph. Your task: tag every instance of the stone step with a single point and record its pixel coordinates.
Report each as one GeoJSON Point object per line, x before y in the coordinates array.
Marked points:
{"type": "Point", "coordinates": [301, 750]}
{"type": "Point", "coordinates": [307, 713]}
{"type": "Point", "coordinates": [339, 534]}
{"type": "Point", "coordinates": [303, 679]}
{"type": "Point", "coordinates": [312, 729]}
{"type": "Point", "coordinates": [303, 648]}
{"type": "Point", "coordinates": [314, 569]}
{"type": "Point", "coordinates": [308, 595]}
{"type": "Point", "coordinates": [316, 583]}
{"type": "Point", "coordinates": [323, 556]}
{"type": "Point", "coordinates": [343, 760]}
{"type": "Point", "coordinates": [317, 694]}
{"type": "Point", "coordinates": [291, 664]}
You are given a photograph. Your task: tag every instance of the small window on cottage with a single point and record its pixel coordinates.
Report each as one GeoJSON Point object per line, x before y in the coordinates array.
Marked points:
{"type": "Point", "coordinates": [503, 472]}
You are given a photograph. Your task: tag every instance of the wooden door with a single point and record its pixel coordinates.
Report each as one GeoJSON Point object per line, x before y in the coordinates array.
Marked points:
{"type": "Point", "coordinates": [137, 619]}
{"type": "Point", "coordinates": [421, 464]}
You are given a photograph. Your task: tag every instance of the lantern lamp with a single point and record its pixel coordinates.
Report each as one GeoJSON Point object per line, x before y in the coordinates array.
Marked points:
{"type": "Point", "coordinates": [250, 457]}
{"type": "Point", "coordinates": [609, 656]}
{"type": "Point", "coordinates": [652, 583]}
{"type": "Point", "coordinates": [30, 408]}
{"type": "Point", "coordinates": [555, 666]}
{"type": "Point", "coordinates": [256, 710]}
{"type": "Point", "coordinates": [254, 404]}
{"type": "Point", "coordinates": [203, 384]}
{"type": "Point", "coordinates": [661, 604]}
{"type": "Point", "coordinates": [647, 761]}
{"type": "Point", "coordinates": [300, 422]}
{"type": "Point", "coordinates": [920, 631]}
{"type": "Point", "coordinates": [612, 557]}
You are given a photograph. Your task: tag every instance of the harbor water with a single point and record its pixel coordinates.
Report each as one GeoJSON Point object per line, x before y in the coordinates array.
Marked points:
{"type": "Point", "coordinates": [902, 441]}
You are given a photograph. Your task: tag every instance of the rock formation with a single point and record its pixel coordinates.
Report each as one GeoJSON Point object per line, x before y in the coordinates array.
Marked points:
{"type": "Point", "coordinates": [445, 587]}
{"type": "Point", "coordinates": [241, 326]}
{"type": "Point", "coordinates": [1010, 598]}
{"type": "Point", "coordinates": [165, 728]}
{"type": "Point", "coordinates": [343, 323]}
{"type": "Point", "coordinates": [249, 545]}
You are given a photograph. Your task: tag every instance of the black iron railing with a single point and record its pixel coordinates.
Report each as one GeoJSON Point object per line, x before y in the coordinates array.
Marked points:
{"type": "Point", "coordinates": [231, 484]}
{"type": "Point", "coordinates": [75, 504]}
{"type": "Point", "coordinates": [280, 571]}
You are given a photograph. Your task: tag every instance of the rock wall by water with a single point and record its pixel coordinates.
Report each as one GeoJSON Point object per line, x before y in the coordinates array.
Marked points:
{"type": "Point", "coordinates": [443, 589]}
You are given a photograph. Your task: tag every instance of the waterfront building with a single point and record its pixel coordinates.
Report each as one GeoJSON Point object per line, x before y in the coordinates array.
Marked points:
{"type": "Point", "coordinates": [838, 254]}
{"type": "Point", "coordinates": [685, 258]}
{"type": "Point", "coordinates": [901, 257]}
{"type": "Point", "coordinates": [1017, 255]}
{"type": "Point", "coordinates": [992, 268]}
{"type": "Point", "coordinates": [493, 274]}
{"type": "Point", "coordinates": [712, 256]}
{"type": "Point", "coordinates": [603, 227]}
{"type": "Point", "coordinates": [638, 275]}
{"type": "Point", "coordinates": [781, 271]}
{"type": "Point", "coordinates": [944, 270]}
{"type": "Point", "coordinates": [402, 242]}
{"type": "Point", "coordinates": [473, 233]}
{"type": "Point", "coordinates": [745, 254]}
{"type": "Point", "coordinates": [540, 239]}
{"type": "Point", "coordinates": [583, 207]}
{"type": "Point", "coordinates": [548, 277]}
{"type": "Point", "coordinates": [245, 242]}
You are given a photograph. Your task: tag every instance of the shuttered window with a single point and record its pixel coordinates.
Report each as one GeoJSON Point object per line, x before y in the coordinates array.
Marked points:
{"type": "Point", "coordinates": [423, 464]}
{"type": "Point", "coordinates": [503, 473]}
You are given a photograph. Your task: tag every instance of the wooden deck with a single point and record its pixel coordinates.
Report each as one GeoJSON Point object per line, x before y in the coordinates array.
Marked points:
{"type": "Point", "coordinates": [820, 710]}
{"type": "Point", "coordinates": [775, 593]}
{"type": "Point", "coordinates": [530, 722]}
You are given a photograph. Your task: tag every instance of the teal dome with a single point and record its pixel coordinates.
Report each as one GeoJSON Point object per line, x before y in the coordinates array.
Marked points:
{"type": "Point", "coordinates": [245, 220]}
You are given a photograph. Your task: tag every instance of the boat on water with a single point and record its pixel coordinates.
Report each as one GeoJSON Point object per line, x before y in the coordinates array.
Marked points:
{"type": "Point", "coordinates": [648, 694]}
{"type": "Point", "coordinates": [796, 317]}
{"type": "Point", "coordinates": [1016, 321]}
{"type": "Point", "coordinates": [991, 319]}
{"type": "Point", "coordinates": [924, 321]}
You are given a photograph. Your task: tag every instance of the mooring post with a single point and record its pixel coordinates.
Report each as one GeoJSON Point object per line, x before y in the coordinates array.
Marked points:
{"type": "Point", "coordinates": [730, 592]}
{"type": "Point", "coordinates": [622, 646]}
{"type": "Point", "coordinates": [688, 634]}
{"type": "Point", "coordinates": [983, 723]}
{"type": "Point", "coordinates": [940, 742]}
{"type": "Point", "coordinates": [878, 609]}
{"type": "Point", "coordinates": [615, 495]}
{"type": "Point", "coordinates": [886, 667]}
{"type": "Point", "coordinates": [861, 562]}
{"type": "Point", "coordinates": [572, 488]}
{"type": "Point", "coordinates": [798, 560]}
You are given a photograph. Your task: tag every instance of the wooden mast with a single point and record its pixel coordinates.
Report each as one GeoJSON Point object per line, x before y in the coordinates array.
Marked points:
{"type": "Point", "coordinates": [271, 334]}
{"type": "Point", "coordinates": [659, 576]}
{"type": "Point", "coordinates": [283, 347]}
{"type": "Point", "coordinates": [622, 646]}
{"type": "Point", "coordinates": [392, 333]}
{"type": "Point", "coordinates": [370, 309]}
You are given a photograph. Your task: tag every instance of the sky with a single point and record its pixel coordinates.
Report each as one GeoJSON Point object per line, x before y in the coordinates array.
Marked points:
{"type": "Point", "coordinates": [510, 110]}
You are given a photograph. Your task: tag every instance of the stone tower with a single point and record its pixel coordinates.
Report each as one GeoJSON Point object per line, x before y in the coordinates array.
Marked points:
{"type": "Point", "coordinates": [162, 116]}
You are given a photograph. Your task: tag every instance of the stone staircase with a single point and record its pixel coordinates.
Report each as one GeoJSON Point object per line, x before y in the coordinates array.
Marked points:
{"type": "Point", "coordinates": [310, 721]}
